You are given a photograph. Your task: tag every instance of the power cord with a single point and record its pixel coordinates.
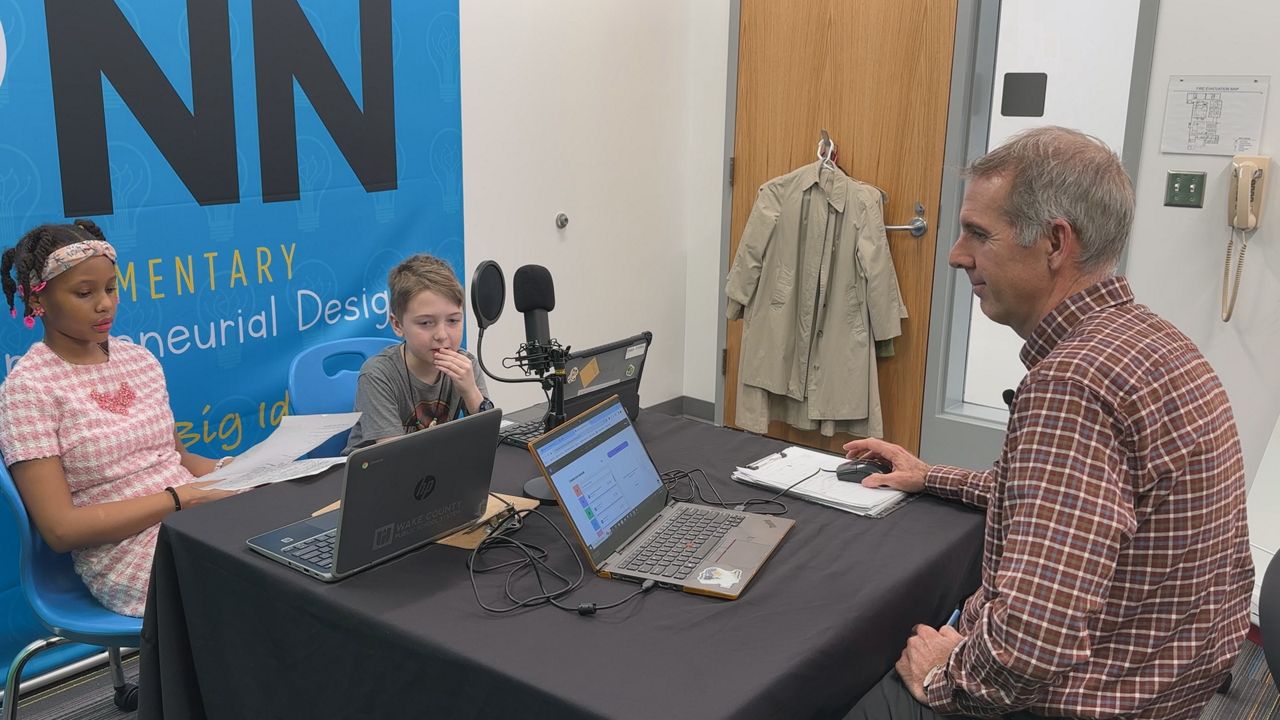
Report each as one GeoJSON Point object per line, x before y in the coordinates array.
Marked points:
{"type": "Point", "coordinates": [533, 558]}
{"type": "Point", "coordinates": [672, 478]}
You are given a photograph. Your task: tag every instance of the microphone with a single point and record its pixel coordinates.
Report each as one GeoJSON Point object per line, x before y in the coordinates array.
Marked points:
{"type": "Point", "coordinates": [535, 296]}
{"type": "Point", "coordinates": [1008, 397]}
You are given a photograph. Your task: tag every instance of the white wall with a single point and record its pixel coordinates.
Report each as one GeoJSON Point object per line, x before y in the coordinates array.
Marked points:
{"type": "Point", "coordinates": [599, 110]}
{"type": "Point", "coordinates": [1084, 47]}
{"type": "Point", "coordinates": [1176, 254]}
{"type": "Point", "coordinates": [707, 177]}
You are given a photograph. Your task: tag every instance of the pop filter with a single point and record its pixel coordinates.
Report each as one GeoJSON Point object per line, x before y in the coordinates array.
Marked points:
{"type": "Point", "coordinates": [488, 293]}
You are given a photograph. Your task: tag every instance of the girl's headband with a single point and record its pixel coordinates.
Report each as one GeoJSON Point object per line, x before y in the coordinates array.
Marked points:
{"type": "Point", "coordinates": [69, 256]}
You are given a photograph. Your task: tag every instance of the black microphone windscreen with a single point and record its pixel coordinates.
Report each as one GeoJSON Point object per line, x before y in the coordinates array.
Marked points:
{"type": "Point", "coordinates": [532, 289]}
{"type": "Point", "coordinates": [488, 293]}
{"type": "Point", "coordinates": [1008, 397]}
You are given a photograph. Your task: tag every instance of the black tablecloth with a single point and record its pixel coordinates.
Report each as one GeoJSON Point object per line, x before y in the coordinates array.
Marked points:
{"type": "Point", "coordinates": [230, 634]}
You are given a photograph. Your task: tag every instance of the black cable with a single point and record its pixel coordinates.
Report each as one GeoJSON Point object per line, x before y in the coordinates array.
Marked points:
{"type": "Point", "coordinates": [672, 477]}
{"type": "Point", "coordinates": [533, 558]}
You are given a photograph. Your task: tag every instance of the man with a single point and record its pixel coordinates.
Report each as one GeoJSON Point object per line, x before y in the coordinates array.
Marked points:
{"type": "Point", "coordinates": [1116, 571]}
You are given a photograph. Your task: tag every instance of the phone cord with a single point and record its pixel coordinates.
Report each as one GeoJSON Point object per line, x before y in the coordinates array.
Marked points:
{"type": "Point", "coordinates": [1229, 295]}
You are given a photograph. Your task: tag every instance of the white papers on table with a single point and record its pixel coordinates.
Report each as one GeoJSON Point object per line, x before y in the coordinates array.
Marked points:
{"type": "Point", "coordinates": [783, 468]}
{"type": "Point", "coordinates": [296, 436]}
{"type": "Point", "coordinates": [289, 471]}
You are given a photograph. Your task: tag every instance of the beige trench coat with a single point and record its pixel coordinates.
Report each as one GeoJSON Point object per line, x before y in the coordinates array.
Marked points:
{"type": "Point", "coordinates": [816, 286]}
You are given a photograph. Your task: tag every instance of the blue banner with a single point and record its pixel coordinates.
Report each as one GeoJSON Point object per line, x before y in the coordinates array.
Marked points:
{"type": "Point", "coordinates": [259, 165]}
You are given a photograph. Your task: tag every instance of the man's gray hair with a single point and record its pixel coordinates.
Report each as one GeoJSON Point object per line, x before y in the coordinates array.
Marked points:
{"type": "Point", "coordinates": [1056, 173]}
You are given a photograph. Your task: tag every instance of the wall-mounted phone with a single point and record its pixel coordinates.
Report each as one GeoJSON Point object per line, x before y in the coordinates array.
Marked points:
{"type": "Point", "coordinates": [1244, 212]}
{"type": "Point", "coordinates": [1248, 186]}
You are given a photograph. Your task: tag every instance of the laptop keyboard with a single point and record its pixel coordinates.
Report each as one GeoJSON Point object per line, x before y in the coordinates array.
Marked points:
{"type": "Point", "coordinates": [521, 434]}
{"type": "Point", "coordinates": [681, 543]}
{"type": "Point", "coordinates": [317, 550]}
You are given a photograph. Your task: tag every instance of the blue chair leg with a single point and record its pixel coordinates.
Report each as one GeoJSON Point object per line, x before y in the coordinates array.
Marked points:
{"type": "Point", "coordinates": [15, 672]}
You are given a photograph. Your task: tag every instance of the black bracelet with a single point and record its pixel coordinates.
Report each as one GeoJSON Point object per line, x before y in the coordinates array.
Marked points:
{"type": "Point", "coordinates": [177, 504]}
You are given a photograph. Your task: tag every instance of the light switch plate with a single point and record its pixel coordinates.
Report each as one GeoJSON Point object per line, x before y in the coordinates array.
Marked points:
{"type": "Point", "coordinates": [1184, 188]}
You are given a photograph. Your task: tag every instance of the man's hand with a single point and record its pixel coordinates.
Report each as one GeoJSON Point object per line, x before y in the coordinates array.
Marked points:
{"type": "Point", "coordinates": [458, 367]}
{"type": "Point", "coordinates": [908, 470]}
{"type": "Point", "coordinates": [926, 649]}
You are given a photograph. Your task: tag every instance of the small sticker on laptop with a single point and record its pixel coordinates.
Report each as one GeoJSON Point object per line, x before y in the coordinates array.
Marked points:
{"type": "Point", "coordinates": [719, 576]}
{"type": "Point", "coordinates": [631, 369]}
{"type": "Point", "coordinates": [634, 351]}
{"type": "Point", "coordinates": [573, 374]}
{"type": "Point", "coordinates": [590, 372]}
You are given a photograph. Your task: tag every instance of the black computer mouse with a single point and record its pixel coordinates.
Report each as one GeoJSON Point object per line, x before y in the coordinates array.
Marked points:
{"type": "Point", "coordinates": [857, 469]}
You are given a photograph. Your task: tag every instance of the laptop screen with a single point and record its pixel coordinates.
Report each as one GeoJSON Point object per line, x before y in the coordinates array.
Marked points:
{"type": "Point", "coordinates": [608, 485]}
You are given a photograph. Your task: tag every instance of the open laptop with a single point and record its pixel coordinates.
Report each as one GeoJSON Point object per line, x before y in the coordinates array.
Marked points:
{"type": "Point", "coordinates": [397, 495]}
{"type": "Point", "coordinates": [590, 376]}
{"type": "Point", "coordinates": [619, 509]}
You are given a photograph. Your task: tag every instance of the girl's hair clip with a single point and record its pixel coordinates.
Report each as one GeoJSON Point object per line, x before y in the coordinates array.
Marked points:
{"type": "Point", "coordinates": [13, 312]}
{"type": "Point", "coordinates": [29, 321]}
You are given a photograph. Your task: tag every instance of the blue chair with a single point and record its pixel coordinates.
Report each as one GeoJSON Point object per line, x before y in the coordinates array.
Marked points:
{"type": "Point", "coordinates": [322, 379]}
{"type": "Point", "coordinates": [63, 605]}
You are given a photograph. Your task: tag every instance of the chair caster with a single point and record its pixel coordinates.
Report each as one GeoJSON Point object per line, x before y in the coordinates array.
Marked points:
{"type": "Point", "coordinates": [127, 697]}
{"type": "Point", "coordinates": [1225, 687]}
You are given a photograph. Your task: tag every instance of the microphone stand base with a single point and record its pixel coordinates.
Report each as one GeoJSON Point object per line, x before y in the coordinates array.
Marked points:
{"type": "Point", "coordinates": [537, 488]}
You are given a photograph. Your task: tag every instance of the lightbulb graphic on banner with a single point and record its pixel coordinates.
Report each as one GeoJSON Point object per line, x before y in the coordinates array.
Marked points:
{"type": "Point", "coordinates": [130, 188]}
{"type": "Point", "coordinates": [384, 201]}
{"type": "Point", "coordinates": [315, 170]}
{"type": "Point", "coordinates": [19, 193]}
{"type": "Point", "coordinates": [228, 318]}
{"type": "Point", "coordinates": [378, 267]}
{"type": "Point", "coordinates": [222, 217]}
{"type": "Point", "coordinates": [141, 321]}
{"type": "Point", "coordinates": [446, 166]}
{"type": "Point", "coordinates": [13, 35]}
{"type": "Point", "coordinates": [442, 50]}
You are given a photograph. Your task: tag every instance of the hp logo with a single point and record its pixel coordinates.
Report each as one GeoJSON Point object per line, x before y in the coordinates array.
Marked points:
{"type": "Point", "coordinates": [424, 487]}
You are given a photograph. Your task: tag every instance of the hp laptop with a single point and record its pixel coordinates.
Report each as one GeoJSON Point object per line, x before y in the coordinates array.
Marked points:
{"type": "Point", "coordinates": [397, 495]}
{"type": "Point", "coordinates": [590, 376]}
{"type": "Point", "coordinates": [618, 507]}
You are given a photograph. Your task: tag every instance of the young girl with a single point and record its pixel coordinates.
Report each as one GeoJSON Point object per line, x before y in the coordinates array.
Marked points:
{"type": "Point", "coordinates": [85, 423]}
{"type": "Point", "coordinates": [428, 379]}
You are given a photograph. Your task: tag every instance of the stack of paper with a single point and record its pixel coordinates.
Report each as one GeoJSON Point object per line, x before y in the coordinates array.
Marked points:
{"type": "Point", "coordinates": [786, 467]}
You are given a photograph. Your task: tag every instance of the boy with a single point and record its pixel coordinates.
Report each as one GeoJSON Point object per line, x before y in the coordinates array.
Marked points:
{"type": "Point", "coordinates": [427, 379]}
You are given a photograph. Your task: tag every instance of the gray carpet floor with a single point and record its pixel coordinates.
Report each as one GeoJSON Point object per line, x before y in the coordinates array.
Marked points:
{"type": "Point", "coordinates": [1253, 695]}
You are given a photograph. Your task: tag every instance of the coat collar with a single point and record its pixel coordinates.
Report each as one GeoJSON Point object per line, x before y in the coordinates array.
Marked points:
{"type": "Point", "coordinates": [834, 183]}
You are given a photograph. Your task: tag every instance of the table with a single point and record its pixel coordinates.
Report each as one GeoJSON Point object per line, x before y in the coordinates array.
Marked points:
{"type": "Point", "coordinates": [230, 634]}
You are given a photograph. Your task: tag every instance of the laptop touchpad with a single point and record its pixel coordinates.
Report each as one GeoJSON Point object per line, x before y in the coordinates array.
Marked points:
{"type": "Point", "coordinates": [741, 555]}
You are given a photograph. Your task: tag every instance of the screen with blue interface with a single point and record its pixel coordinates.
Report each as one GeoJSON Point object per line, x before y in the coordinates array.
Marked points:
{"type": "Point", "coordinates": [601, 471]}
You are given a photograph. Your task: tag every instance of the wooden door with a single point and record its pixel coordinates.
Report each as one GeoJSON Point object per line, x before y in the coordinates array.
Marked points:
{"type": "Point", "coordinates": [876, 74]}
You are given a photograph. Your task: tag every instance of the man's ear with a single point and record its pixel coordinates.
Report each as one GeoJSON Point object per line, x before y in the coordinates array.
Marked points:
{"type": "Point", "coordinates": [395, 325]}
{"type": "Point", "coordinates": [1064, 244]}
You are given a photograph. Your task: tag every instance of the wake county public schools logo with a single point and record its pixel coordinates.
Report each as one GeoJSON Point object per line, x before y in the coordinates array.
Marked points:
{"type": "Point", "coordinates": [389, 533]}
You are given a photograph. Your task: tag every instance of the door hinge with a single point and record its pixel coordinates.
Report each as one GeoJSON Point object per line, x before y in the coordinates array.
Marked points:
{"type": "Point", "coordinates": [724, 361]}
{"type": "Point", "coordinates": [731, 159]}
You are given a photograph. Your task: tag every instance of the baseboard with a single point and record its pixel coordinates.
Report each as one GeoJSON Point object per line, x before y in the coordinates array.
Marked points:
{"type": "Point", "coordinates": [685, 406]}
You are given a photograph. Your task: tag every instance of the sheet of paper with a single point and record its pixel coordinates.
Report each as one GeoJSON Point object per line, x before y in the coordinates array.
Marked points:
{"type": "Point", "coordinates": [795, 464]}
{"type": "Point", "coordinates": [296, 436]}
{"type": "Point", "coordinates": [289, 471]}
{"type": "Point", "coordinates": [1214, 115]}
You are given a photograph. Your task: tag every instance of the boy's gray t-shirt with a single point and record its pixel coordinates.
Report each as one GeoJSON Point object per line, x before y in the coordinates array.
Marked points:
{"type": "Point", "coordinates": [387, 395]}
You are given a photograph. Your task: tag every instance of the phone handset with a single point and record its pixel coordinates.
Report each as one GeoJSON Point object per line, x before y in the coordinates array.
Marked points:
{"type": "Point", "coordinates": [1244, 212]}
